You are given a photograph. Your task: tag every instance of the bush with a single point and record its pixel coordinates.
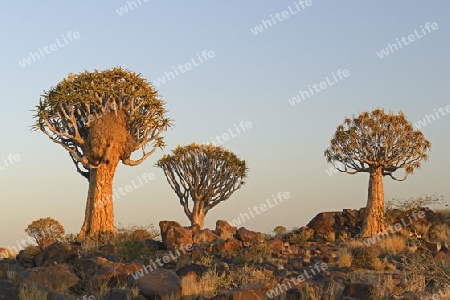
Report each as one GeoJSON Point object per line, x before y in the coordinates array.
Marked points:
{"type": "Point", "coordinates": [298, 236]}
{"type": "Point", "coordinates": [130, 241]}
{"type": "Point", "coordinates": [31, 251]}
{"type": "Point", "coordinates": [259, 251]}
{"type": "Point", "coordinates": [44, 230]}
{"type": "Point", "coordinates": [69, 238]}
{"type": "Point", "coordinates": [413, 203]}
{"type": "Point", "coordinates": [129, 250]}
{"type": "Point", "coordinates": [135, 232]}
{"type": "Point", "coordinates": [239, 260]}
{"type": "Point", "coordinates": [362, 257]}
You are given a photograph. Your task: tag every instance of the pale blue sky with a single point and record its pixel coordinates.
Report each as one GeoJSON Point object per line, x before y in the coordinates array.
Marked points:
{"type": "Point", "coordinates": [250, 78]}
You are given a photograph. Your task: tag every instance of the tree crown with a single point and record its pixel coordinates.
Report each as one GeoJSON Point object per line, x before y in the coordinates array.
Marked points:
{"type": "Point", "coordinates": [88, 112]}
{"type": "Point", "coordinates": [205, 173]}
{"type": "Point", "coordinates": [45, 229]}
{"type": "Point", "coordinates": [377, 140]}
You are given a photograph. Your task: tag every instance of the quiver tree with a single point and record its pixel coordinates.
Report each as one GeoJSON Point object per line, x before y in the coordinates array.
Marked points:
{"type": "Point", "coordinates": [45, 230]}
{"type": "Point", "coordinates": [379, 144]}
{"type": "Point", "coordinates": [205, 174]}
{"type": "Point", "coordinates": [101, 118]}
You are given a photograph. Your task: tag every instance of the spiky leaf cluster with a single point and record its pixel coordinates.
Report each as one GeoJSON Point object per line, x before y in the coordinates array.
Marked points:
{"type": "Point", "coordinates": [377, 139]}
{"type": "Point", "coordinates": [205, 173]}
{"type": "Point", "coordinates": [67, 110]}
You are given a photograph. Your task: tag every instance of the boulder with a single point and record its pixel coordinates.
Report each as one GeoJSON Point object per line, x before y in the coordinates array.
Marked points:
{"type": "Point", "coordinates": [119, 294]}
{"type": "Point", "coordinates": [133, 266]}
{"type": "Point", "coordinates": [294, 294]}
{"type": "Point", "coordinates": [358, 291]}
{"type": "Point", "coordinates": [225, 230]}
{"type": "Point", "coordinates": [3, 273]}
{"type": "Point", "coordinates": [56, 277]}
{"type": "Point", "coordinates": [276, 246]}
{"type": "Point", "coordinates": [323, 222]}
{"type": "Point", "coordinates": [230, 245]}
{"type": "Point", "coordinates": [25, 260]}
{"type": "Point", "coordinates": [86, 266]}
{"type": "Point", "coordinates": [111, 276]}
{"type": "Point", "coordinates": [198, 253]}
{"type": "Point", "coordinates": [248, 236]}
{"type": "Point", "coordinates": [9, 290]}
{"type": "Point", "coordinates": [194, 269]}
{"type": "Point", "coordinates": [204, 236]}
{"type": "Point", "coordinates": [56, 253]}
{"type": "Point", "coordinates": [159, 284]}
{"type": "Point", "coordinates": [245, 292]}
{"type": "Point", "coordinates": [174, 235]}
{"type": "Point", "coordinates": [157, 245]}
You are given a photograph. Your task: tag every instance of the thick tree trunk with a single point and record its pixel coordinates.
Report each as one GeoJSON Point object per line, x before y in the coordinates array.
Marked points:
{"type": "Point", "coordinates": [198, 215]}
{"type": "Point", "coordinates": [374, 221]}
{"type": "Point", "coordinates": [99, 214]}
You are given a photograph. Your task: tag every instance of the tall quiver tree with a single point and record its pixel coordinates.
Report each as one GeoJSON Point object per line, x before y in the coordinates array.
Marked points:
{"type": "Point", "coordinates": [379, 144]}
{"type": "Point", "coordinates": [204, 174]}
{"type": "Point", "coordinates": [101, 118]}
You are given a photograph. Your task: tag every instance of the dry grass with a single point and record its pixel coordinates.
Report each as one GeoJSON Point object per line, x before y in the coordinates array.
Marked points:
{"type": "Point", "coordinates": [393, 244]}
{"type": "Point", "coordinates": [32, 292]}
{"type": "Point", "coordinates": [345, 258]}
{"type": "Point", "coordinates": [421, 229]}
{"type": "Point", "coordinates": [207, 285]}
{"type": "Point", "coordinates": [389, 281]}
{"type": "Point", "coordinates": [382, 265]}
{"type": "Point", "coordinates": [442, 232]}
{"type": "Point", "coordinates": [211, 282]}
{"type": "Point", "coordinates": [354, 243]}
{"type": "Point", "coordinates": [331, 290]}
{"type": "Point", "coordinates": [250, 275]}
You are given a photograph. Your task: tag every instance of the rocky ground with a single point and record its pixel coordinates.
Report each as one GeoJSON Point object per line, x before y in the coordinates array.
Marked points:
{"type": "Point", "coordinates": [324, 260]}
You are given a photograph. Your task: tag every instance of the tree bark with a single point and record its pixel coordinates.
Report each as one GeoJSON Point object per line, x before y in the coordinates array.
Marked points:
{"type": "Point", "coordinates": [374, 221]}
{"type": "Point", "coordinates": [198, 215]}
{"type": "Point", "coordinates": [99, 214]}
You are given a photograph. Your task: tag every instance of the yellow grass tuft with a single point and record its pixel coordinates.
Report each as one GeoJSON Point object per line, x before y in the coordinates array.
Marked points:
{"type": "Point", "coordinates": [345, 258]}
{"type": "Point", "coordinates": [393, 244]}
{"type": "Point", "coordinates": [32, 292]}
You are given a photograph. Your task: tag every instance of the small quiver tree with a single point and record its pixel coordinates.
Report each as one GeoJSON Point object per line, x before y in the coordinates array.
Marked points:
{"type": "Point", "coordinates": [204, 174]}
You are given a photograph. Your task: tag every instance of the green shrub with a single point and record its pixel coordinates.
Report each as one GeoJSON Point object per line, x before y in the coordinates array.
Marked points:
{"type": "Point", "coordinates": [129, 250]}
{"type": "Point", "coordinates": [31, 251]}
{"type": "Point", "coordinates": [135, 232]}
{"type": "Point", "coordinates": [239, 260]}
{"type": "Point", "coordinates": [298, 237]}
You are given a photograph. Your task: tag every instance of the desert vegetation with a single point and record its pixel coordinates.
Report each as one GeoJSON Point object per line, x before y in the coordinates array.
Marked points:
{"type": "Point", "coordinates": [394, 250]}
{"type": "Point", "coordinates": [227, 262]}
